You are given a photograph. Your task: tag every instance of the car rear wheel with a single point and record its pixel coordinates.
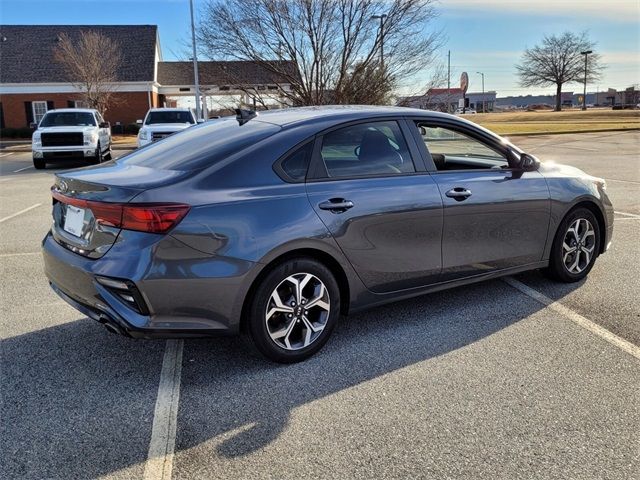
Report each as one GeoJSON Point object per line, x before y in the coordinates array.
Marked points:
{"type": "Point", "coordinates": [39, 163]}
{"type": "Point", "coordinates": [294, 310]}
{"type": "Point", "coordinates": [575, 247]}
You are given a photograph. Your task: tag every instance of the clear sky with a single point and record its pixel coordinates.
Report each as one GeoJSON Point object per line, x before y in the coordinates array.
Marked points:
{"type": "Point", "coordinates": [483, 35]}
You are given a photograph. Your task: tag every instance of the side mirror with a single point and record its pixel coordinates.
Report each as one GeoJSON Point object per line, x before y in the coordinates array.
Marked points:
{"type": "Point", "coordinates": [105, 125]}
{"type": "Point", "coordinates": [528, 163]}
{"type": "Point", "coordinates": [33, 125]}
{"type": "Point", "coordinates": [138, 122]}
{"type": "Point", "coordinates": [201, 120]}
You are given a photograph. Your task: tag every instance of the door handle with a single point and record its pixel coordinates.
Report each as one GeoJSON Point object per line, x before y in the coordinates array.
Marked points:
{"type": "Point", "coordinates": [336, 205]}
{"type": "Point", "coordinates": [458, 193]}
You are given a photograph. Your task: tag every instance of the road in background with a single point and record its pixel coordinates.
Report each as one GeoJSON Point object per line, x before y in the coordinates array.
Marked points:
{"type": "Point", "coordinates": [480, 381]}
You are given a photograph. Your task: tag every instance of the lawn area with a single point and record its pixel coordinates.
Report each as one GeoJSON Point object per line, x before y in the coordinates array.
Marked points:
{"type": "Point", "coordinates": [509, 123]}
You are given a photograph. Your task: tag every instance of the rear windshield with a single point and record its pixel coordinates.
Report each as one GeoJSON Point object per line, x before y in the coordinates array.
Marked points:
{"type": "Point", "coordinates": [67, 119]}
{"type": "Point", "coordinates": [200, 146]}
{"type": "Point", "coordinates": [183, 116]}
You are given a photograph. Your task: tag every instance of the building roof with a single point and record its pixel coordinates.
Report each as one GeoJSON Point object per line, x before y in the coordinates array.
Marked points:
{"type": "Point", "coordinates": [223, 73]}
{"type": "Point", "coordinates": [438, 91]}
{"type": "Point", "coordinates": [26, 51]}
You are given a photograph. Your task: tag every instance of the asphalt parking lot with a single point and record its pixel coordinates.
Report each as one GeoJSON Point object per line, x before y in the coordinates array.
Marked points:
{"type": "Point", "coordinates": [483, 381]}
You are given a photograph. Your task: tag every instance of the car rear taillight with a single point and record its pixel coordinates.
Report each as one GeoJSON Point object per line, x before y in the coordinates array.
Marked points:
{"type": "Point", "coordinates": [141, 217]}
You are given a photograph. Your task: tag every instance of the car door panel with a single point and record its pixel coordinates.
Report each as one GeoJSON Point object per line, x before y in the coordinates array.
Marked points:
{"type": "Point", "coordinates": [503, 223]}
{"type": "Point", "coordinates": [392, 233]}
{"type": "Point", "coordinates": [494, 218]}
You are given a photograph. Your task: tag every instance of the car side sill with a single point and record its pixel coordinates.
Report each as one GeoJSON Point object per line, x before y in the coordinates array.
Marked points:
{"type": "Point", "coordinates": [377, 299]}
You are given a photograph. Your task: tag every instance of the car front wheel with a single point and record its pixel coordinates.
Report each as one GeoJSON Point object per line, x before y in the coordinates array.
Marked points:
{"type": "Point", "coordinates": [294, 310]}
{"type": "Point", "coordinates": [575, 247]}
{"type": "Point", "coordinates": [39, 163]}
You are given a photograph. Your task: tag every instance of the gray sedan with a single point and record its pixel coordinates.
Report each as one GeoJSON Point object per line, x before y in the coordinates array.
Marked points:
{"type": "Point", "coordinates": [276, 223]}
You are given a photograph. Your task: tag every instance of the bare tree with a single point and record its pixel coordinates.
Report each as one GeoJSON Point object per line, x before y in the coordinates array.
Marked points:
{"type": "Point", "coordinates": [91, 63]}
{"type": "Point", "coordinates": [331, 44]}
{"type": "Point", "coordinates": [558, 61]}
{"type": "Point", "coordinates": [425, 97]}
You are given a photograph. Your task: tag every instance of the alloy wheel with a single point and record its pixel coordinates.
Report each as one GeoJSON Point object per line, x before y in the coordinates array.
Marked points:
{"type": "Point", "coordinates": [578, 246]}
{"type": "Point", "coordinates": [297, 311]}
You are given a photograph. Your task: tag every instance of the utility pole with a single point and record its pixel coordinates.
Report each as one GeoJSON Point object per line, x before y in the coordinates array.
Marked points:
{"type": "Point", "coordinates": [484, 108]}
{"type": "Point", "coordinates": [381, 18]}
{"type": "Point", "coordinates": [449, 82]}
{"type": "Point", "coordinates": [584, 97]}
{"type": "Point", "coordinates": [195, 62]}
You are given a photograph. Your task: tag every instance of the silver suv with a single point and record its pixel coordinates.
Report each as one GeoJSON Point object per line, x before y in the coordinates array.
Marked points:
{"type": "Point", "coordinates": [71, 133]}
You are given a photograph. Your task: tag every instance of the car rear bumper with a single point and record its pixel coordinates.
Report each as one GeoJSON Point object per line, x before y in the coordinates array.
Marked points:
{"type": "Point", "coordinates": [198, 306]}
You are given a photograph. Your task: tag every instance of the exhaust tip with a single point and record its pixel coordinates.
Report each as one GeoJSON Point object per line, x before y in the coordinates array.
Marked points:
{"type": "Point", "coordinates": [112, 329]}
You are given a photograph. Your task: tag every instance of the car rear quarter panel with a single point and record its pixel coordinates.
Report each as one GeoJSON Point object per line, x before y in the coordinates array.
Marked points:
{"type": "Point", "coordinates": [243, 217]}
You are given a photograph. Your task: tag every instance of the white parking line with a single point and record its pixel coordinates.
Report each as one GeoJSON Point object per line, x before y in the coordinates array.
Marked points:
{"type": "Point", "coordinates": [6, 255]}
{"type": "Point", "coordinates": [23, 169]}
{"type": "Point", "coordinates": [622, 181]}
{"type": "Point", "coordinates": [632, 215]}
{"type": "Point", "coordinates": [578, 319]}
{"type": "Point", "coordinates": [163, 433]}
{"type": "Point", "coordinates": [20, 212]}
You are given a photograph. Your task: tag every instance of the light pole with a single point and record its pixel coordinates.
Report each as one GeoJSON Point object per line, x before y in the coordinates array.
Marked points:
{"type": "Point", "coordinates": [483, 102]}
{"type": "Point", "coordinates": [195, 62]}
{"type": "Point", "coordinates": [381, 18]}
{"type": "Point", "coordinates": [584, 97]}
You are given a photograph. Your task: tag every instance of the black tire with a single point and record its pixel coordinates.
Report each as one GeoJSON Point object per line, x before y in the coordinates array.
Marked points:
{"type": "Point", "coordinates": [278, 278]}
{"type": "Point", "coordinates": [108, 156]}
{"type": "Point", "coordinates": [39, 163]}
{"type": "Point", "coordinates": [557, 269]}
{"type": "Point", "coordinates": [98, 157]}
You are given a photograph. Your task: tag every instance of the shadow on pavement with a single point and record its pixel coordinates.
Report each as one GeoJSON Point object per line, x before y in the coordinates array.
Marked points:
{"type": "Point", "coordinates": [225, 390]}
{"type": "Point", "coordinates": [79, 402]}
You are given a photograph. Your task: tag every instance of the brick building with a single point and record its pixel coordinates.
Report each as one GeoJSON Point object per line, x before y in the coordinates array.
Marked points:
{"type": "Point", "coordinates": [32, 82]}
{"type": "Point", "coordinates": [449, 99]}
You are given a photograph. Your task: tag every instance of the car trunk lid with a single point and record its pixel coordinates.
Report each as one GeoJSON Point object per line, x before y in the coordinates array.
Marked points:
{"type": "Point", "coordinates": [92, 206]}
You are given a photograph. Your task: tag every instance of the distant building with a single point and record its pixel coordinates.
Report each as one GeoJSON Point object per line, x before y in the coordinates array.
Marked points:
{"type": "Point", "coordinates": [448, 99]}
{"type": "Point", "coordinates": [610, 97]}
{"type": "Point", "coordinates": [32, 82]}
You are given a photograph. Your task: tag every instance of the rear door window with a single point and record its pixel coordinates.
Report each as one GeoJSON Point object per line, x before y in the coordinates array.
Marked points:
{"type": "Point", "coordinates": [366, 149]}
{"type": "Point", "coordinates": [295, 165]}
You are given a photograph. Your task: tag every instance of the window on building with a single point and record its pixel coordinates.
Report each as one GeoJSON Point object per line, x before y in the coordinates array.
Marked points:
{"type": "Point", "coordinates": [80, 104]}
{"type": "Point", "coordinates": [39, 109]}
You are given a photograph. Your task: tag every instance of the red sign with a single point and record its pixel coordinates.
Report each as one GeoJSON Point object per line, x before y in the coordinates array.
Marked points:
{"type": "Point", "coordinates": [464, 82]}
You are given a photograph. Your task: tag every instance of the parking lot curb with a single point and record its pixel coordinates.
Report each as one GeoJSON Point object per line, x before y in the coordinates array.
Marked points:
{"type": "Point", "coordinates": [537, 134]}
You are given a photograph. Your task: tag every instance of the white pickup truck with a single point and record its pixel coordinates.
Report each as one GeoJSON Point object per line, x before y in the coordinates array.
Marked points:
{"type": "Point", "coordinates": [162, 122]}
{"type": "Point", "coordinates": [71, 133]}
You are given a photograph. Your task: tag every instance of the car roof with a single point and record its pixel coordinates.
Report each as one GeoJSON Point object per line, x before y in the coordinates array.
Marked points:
{"type": "Point", "coordinates": [289, 116]}
{"type": "Point", "coordinates": [81, 110]}
{"type": "Point", "coordinates": [170, 109]}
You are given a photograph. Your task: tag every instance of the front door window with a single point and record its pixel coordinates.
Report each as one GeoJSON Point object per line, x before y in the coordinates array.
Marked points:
{"type": "Point", "coordinates": [451, 150]}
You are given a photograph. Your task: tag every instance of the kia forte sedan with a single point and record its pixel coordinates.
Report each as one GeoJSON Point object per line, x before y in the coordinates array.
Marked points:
{"type": "Point", "coordinates": [275, 224]}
